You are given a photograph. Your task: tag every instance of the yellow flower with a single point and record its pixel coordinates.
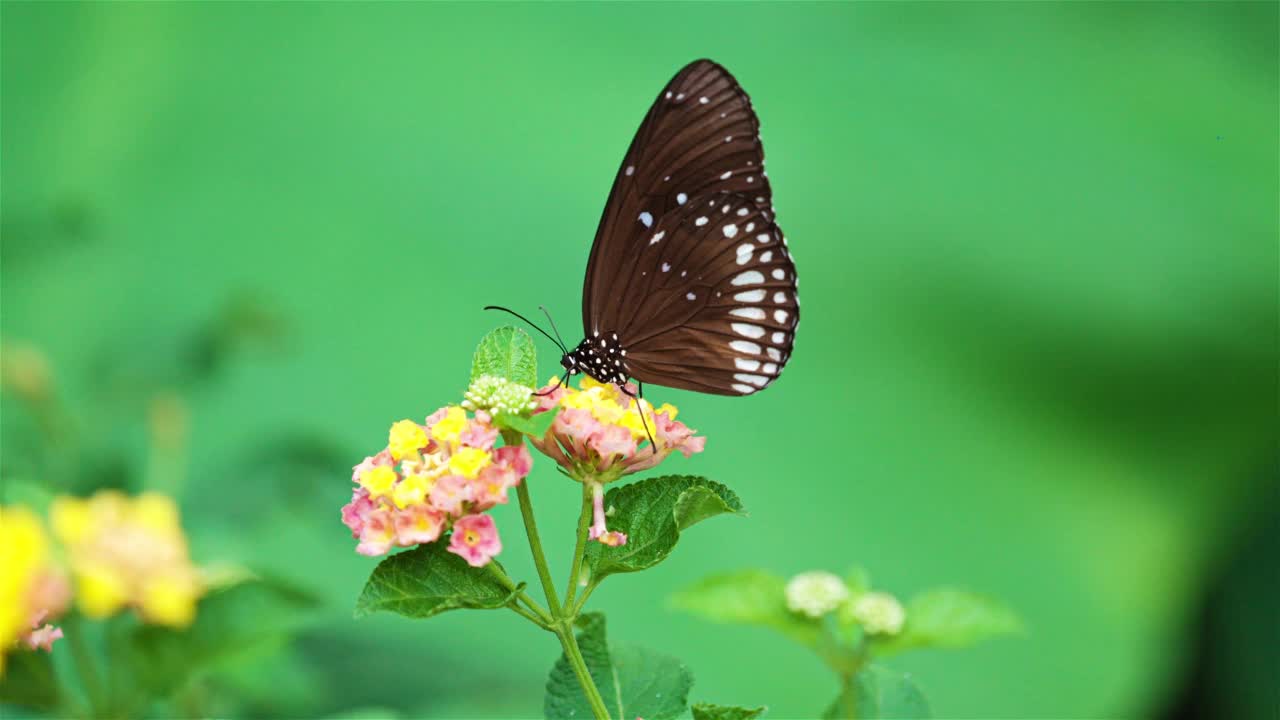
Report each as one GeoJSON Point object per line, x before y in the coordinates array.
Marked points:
{"type": "Point", "coordinates": [406, 439]}
{"type": "Point", "coordinates": [24, 550]}
{"type": "Point", "coordinates": [412, 490]}
{"type": "Point", "coordinates": [378, 480]}
{"type": "Point", "coordinates": [129, 552]}
{"type": "Point", "coordinates": [468, 462]}
{"type": "Point", "coordinates": [448, 428]}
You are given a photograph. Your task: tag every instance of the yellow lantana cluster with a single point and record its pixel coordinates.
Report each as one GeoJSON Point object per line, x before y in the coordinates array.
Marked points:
{"type": "Point", "coordinates": [31, 589]}
{"type": "Point", "coordinates": [128, 552]}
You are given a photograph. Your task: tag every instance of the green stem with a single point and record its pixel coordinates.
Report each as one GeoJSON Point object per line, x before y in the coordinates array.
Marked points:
{"type": "Point", "coordinates": [536, 612]}
{"type": "Point", "coordinates": [573, 654]}
{"type": "Point", "coordinates": [535, 545]}
{"type": "Point", "coordinates": [575, 570]}
{"type": "Point", "coordinates": [84, 664]}
{"type": "Point", "coordinates": [563, 625]}
{"type": "Point", "coordinates": [582, 599]}
{"type": "Point", "coordinates": [847, 699]}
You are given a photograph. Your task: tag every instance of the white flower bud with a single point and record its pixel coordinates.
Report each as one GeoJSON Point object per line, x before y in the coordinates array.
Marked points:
{"type": "Point", "coordinates": [879, 613]}
{"type": "Point", "coordinates": [815, 593]}
{"type": "Point", "coordinates": [496, 395]}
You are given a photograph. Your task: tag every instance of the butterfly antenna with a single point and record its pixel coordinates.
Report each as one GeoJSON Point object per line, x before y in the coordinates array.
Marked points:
{"type": "Point", "coordinates": [555, 329]}
{"type": "Point", "coordinates": [533, 325]}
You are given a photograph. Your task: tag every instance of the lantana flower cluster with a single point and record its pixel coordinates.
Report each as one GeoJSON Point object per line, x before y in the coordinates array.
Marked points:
{"type": "Point", "coordinates": [129, 552]}
{"type": "Point", "coordinates": [817, 593]}
{"type": "Point", "coordinates": [121, 552]}
{"type": "Point", "coordinates": [600, 435]}
{"type": "Point", "coordinates": [433, 478]}
{"type": "Point", "coordinates": [32, 589]}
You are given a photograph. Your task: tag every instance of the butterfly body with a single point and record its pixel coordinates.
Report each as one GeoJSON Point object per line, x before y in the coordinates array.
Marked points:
{"type": "Point", "coordinates": [690, 283]}
{"type": "Point", "coordinates": [602, 357]}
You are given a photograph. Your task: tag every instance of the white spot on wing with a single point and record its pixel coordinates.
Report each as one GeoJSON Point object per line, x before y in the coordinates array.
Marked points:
{"type": "Point", "coordinates": [770, 368]}
{"type": "Point", "coordinates": [750, 296]}
{"type": "Point", "coordinates": [780, 315]}
{"type": "Point", "coordinates": [779, 297]}
{"type": "Point", "coordinates": [658, 236]}
{"type": "Point", "coordinates": [748, 365]}
{"type": "Point", "coordinates": [700, 221]}
{"type": "Point", "coordinates": [666, 267]}
{"type": "Point", "coordinates": [744, 389]}
{"type": "Point", "coordinates": [630, 169]}
{"type": "Point", "coordinates": [774, 353]}
{"type": "Point", "coordinates": [681, 198]}
{"type": "Point", "coordinates": [779, 274]}
{"type": "Point", "coordinates": [646, 218]}
{"type": "Point", "coordinates": [742, 212]}
{"type": "Point", "coordinates": [726, 174]}
{"type": "Point", "coordinates": [730, 230]}
{"type": "Point", "coordinates": [755, 332]}
{"type": "Point", "coordinates": [704, 99]}
{"type": "Point", "coordinates": [744, 347]}
{"type": "Point", "coordinates": [750, 313]}
{"type": "Point", "coordinates": [766, 256]}
{"type": "Point", "coordinates": [757, 380]}
{"type": "Point", "coordinates": [750, 277]}
{"type": "Point", "coordinates": [779, 338]}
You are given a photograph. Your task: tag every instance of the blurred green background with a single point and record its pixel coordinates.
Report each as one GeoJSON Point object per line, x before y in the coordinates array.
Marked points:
{"type": "Point", "coordinates": [1038, 245]}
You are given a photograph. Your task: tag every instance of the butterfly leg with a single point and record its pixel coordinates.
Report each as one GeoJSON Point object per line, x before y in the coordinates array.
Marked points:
{"type": "Point", "coordinates": [560, 382]}
{"type": "Point", "coordinates": [638, 398]}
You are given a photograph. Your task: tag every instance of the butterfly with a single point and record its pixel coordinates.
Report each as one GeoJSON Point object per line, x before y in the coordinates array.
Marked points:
{"type": "Point", "coordinates": [690, 283]}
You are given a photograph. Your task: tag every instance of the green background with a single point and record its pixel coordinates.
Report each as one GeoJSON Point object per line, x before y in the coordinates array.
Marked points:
{"type": "Point", "coordinates": [1038, 245]}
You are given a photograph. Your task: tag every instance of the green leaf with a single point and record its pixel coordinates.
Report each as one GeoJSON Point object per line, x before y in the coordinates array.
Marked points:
{"type": "Point", "coordinates": [507, 352]}
{"type": "Point", "coordinates": [230, 623]}
{"type": "Point", "coordinates": [950, 618]}
{"type": "Point", "coordinates": [535, 426]}
{"type": "Point", "coordinates": [747, 597]}
{"type": "Point", "coordinates": [29, 680]}
{"type": "Point", "coordinates": [634, 681]}
{"type": "Point", "coordinates": [429, 580]}
{"type": "Point", "coordinates": [707, 711]}
{"type": "Point", "coordinates": [879, 692]}
{"type": "Point", "coordinates": [653, 513]}
{"type": "Point", "coordinates": [858, 580]}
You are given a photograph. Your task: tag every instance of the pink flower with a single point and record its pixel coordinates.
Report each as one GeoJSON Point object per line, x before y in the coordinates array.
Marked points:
{"type": "Point", "coordinates": [355, 513]}
{"type": "Point", "coordinates": [377, 534]}
{"type": "Point", "coordinates": [613, 440]}
{"type": "Point", "coordinates": [479, 435]}
{"type": "Point", "coordinates": [430, 477]}
{"type": "Point", "coordinates": [598, 531]}
{"type": "Point", "coordinates": [418, 524]}
{"type": "Point", "coordinates": [600, 433]}
{"type": "Point", "coordinates": [475, 539]}
{"type": "Point", "coordinates": [449, 493]}
{"type": "Point", "coordinates": [382, 458]}
{"type": "Point", "coordinates": [509, 466]}
{"type": "Point", "coordinates": [43, 638]}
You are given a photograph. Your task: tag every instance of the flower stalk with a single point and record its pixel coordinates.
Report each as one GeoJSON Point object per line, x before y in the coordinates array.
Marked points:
{"type": "Point", "coordinates": [562, 623]}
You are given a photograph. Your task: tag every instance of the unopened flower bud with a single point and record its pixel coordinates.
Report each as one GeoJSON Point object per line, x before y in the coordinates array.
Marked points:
{"type": "Point", "coordinates": [879, 613]}
{"type": "Point", "coordinates": [815, 593]}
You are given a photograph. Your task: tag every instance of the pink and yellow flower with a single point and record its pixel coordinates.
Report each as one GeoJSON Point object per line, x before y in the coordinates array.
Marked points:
{"type": "Point", "coordinates": [433, 478]}
{"type": "Point", "coordinates": [31, 587]}
{"type": "Point", "coordinates": [128, 552]}
{"type": "Point", "coordinates": [601, 434]}
{"type": "Point", "coordinates": [475, 539]}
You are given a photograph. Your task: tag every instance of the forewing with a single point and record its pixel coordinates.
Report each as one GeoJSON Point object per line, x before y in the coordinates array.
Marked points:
{"type": "Point", "coordinates": [700, 136]}
{"type": "Point", "coordinates": [714, 306]}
